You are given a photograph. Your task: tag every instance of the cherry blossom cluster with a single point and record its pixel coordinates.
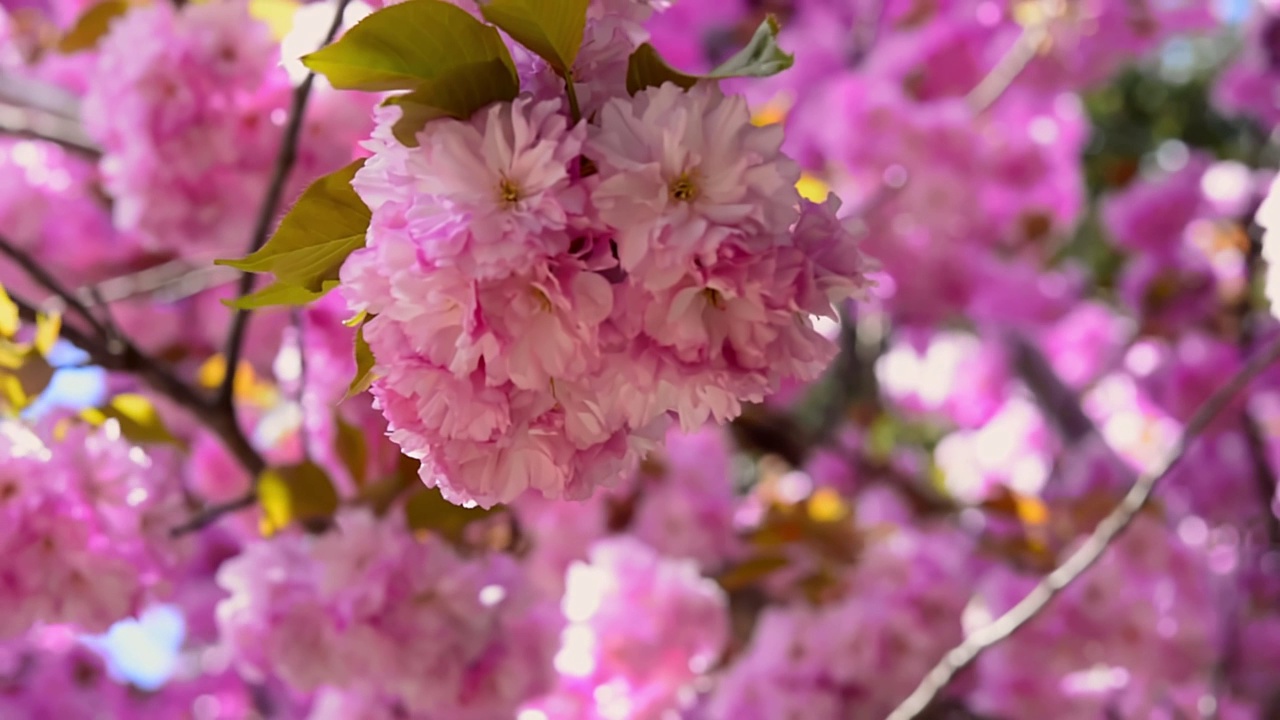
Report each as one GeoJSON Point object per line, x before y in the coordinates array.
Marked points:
{"type": "Point", "coordinates": [189, 106]}
{"type": "Point", "coordinates": [85, 526]}
{"type": "Point", "coordinates": [342, 610]}
{"type": "Point", "coordinates": [545, 292]}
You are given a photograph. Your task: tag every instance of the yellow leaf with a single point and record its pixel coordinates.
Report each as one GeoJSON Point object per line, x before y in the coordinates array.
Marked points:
{"type": "Point", "coordinates": [91, 26]}
{"type": "Point", "coordinates": [749, 571]}
{"type": "Point", "coordinates": [826, 506]}
{"type": "Point", "coordinates": [249, 386]}
{"type": "Point", "coordinates": [48, 328]}
{"type": "Point", "coordinates": [23, 384]}
{"type": "Point", "coordinates": [276, 14]}
{"type": "Point", "coordinates": [137, 417]}
{"type": "Point", "coordinates": [297, 493]}
{"type": "Point", "coordinates": [9, 318]}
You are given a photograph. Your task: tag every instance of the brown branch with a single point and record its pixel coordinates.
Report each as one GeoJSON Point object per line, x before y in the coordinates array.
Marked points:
{"type": "Point", "coordinates": [1087, 554]}
{"type": "Point", "coordinates": [46, 280]}
{"type": "Point", "coordinates": [121, 355]}
{"type": "Point", "coordinates": [267, 212]}
{"type": "Point", "coordinates": [213, 513]}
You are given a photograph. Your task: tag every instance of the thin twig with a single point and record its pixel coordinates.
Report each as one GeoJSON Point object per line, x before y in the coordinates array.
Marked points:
{"type": "Point", "coordinates": [1086, 555]}
{"type": "Point", "coordinates": [299, 338]}
{"type": "Point", "coordinates": [1011, 64]}
{"type": "Point", "coordinates": [167, 282]}
{"type": "Point", "coordinates": [270, 204]}
{"type": "Point", "coordinates": [38, 124]}
{"type": "Point", "coordinates": [49, 282]}
{"type": "Point", "coordinates": [26, 92]}
{"type": "Point", "coordinates": [213, 513]}
{"type": "Point", "coordinates": [1056, 401]}
{"type": "Point", "coordinates": [126, 357]}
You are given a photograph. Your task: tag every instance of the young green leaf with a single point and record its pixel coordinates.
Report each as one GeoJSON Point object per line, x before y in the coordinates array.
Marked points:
{"type": "Point", "coordinates": [427, 510]}
{"type": "Point", "coordinates": [297, 493]}
{"type": "Point", "coordinates": [91, 26]}
{"type": "Point", "coordinates": [457, 93]}
{"type": "Point", "coordinates": [646, 68]}
{"type": "Point", "coordinates": [761, 57]}
{"type": "Point", "coordinates": [278, 293]}
{"type": "Point", "coordinates": [364, 365]}
{"type": "Point", "coordinates": [550, 28]}
{"type": "Point", "coordinates": [306, 252]}
{"type": "Point", "coordinates": [404, 45]}
{"type": "Point", "coordinates": [352, 449]}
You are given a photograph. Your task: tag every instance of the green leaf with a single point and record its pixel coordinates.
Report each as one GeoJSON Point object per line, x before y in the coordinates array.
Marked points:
{"type": "Point", "coordinates": [352, 449]}
{"type": "Point", "coordinates": [427, 511]}
{"type": "Point", "coordinates": [138, 419]}
{"type": "Point", "coordinates": [297, 493]}
{"type": "Point", "coordinates": [91, 26]}
{"type": "Point", "coordinates": [404, 45]}
{"type": "Point", "coordinates": [364, 365]}
{"type": "Point", "coordinates": [550, 28]}
{"type": "Point", "coordinates": [646, 68]}
{"type": "Point", "coordinates": [278, 293]}
{"type": "Point", "coordinates": [760, 58]}
{"type": "Point", "coordinates": [306, 252]}
{"type": "Point", "coordinates": [456, 93]}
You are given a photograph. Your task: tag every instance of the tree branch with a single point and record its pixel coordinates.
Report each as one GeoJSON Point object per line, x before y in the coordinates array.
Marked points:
{"type": "Point", "coordinates": [213, 513]}
{"type": "Point", "coordinates": [1086, 555]}
{"type": "Point", "coordinates": [50, 283]}
{"type": "Point", "coordinates": [166, 282]}
{"type": "Point", "coordinates": [1012, 63]}
{"type": "Point", "coordinates": [124, 356]}
{"type": "Point", "coordinates": [267, 212]}
{"type": "Point", "coordinates": [39, 124]}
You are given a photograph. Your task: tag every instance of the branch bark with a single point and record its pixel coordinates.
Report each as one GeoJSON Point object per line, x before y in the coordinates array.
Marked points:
{"type": "Point", "coordinates": [270, 205]}
{"type": "Point", "coordinates": [1110, 528]}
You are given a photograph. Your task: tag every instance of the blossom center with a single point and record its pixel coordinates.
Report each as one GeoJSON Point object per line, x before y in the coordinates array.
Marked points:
{"type": "Point", "coordinates": [714, 298]}
{"type": "Point", "coordinates": [683, 189]}
{"type": "Point", "coordinates": [541, 298]}
{"type": "Point", "coordinates": [508, 192]}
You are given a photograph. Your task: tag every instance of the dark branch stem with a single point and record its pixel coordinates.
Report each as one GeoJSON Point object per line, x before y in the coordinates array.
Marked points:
{"type": "Point", "coordinates": [270, 205]}
{"type": "Point", "coordinates": [50, 283]}
{"type": "Point", "coordinates": [38, 124]}
{"type": "Point", "coordinates": [213, 513]}
{"type": "Point", "coordinates": [1087, 554]}
{"type": "Point", "coordinates": [123, 356]}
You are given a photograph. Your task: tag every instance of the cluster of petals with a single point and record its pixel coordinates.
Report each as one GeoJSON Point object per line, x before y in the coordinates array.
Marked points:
{"type": "Point", "coordinates": [189, 106]}
{"type": "Point", "coordinates": [1122, 640]}
{"type": "Point", "coordinates": [860, 654]}
{"type": "Point", "coordinates": [83, 526]}
{"type": "Point", "coordinates": [372, 610]}
{"type": "Point", "coordinates": [641, 628]}
{"type": "Point", "coordinates": [546, 294]}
